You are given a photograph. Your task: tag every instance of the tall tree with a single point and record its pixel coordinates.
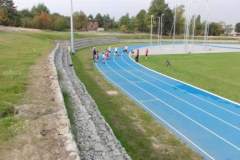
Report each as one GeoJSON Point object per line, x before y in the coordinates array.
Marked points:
{"type": "Point", "coordinates": [81, 21]}
{"type": "Point", "coordinates": [124, 23]}
{"type": "Point", "coordinates": [198, 26]}
{"type": "Point", "coordinates": [59, 22]}
{"type": "Point", "coordinates": [26, 18]}
{"type": "Point", "coordinates": [168, 22]}
{"type": "Point", "coordinates": [180, 19]}
{"type": "Point", "coordinates": [108, 22]}
{"type": "Point", "coordinates": [215, 29]}
{"type": "Point", "coordinates": [36, 10]}
{"type": "Point", "coordinates": [90, 17]}
{"type": "Point", "coordinates": [42, 21]}
{"type": "Point", "coordinates": [158, 8]}
{"type": "Point", "coordinates": [237, 28]}
{"type": "Point", "coordinates": [8, 13]}
{"type": "Point", "coordinates": [99, 19]}
{"type": "Point", "coordinates": [4, 18]}
{"type": "Point", "coordinates": [141, 21]}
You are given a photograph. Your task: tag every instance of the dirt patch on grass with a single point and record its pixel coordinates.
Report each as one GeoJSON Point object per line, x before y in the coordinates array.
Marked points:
{"type": "Point", "coordinates": [112, 93]}
{"type": "Point", "coordinates": [45, 133]}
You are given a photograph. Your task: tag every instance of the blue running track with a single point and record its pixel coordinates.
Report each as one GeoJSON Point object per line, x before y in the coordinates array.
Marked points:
{"type": "Point", "coordinates": [208, 123]}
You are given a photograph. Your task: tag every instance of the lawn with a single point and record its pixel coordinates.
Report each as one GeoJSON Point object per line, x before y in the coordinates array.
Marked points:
{"type": "Point", "coordinates": [141, 135]}
{"type": "Point", "coordinates": [18, 52]}
{"type": "Point", "coordinates": [217, 73]}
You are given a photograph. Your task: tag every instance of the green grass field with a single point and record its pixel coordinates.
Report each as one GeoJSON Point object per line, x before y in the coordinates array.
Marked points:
{"type": "Point", "coordinates": [141, 135]}
{"type": "Point", "coordinates": [18, 52]}
{"type": "Point", "coordinates": [218, 73]}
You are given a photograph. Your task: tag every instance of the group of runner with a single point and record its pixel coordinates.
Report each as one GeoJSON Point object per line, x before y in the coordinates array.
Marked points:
{"type": "Point", "coordinates": [138, 54]}
{"type": "Point", "coordinates": [105, 55]}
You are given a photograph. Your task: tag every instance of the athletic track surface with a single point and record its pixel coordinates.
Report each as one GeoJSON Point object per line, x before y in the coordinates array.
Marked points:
{"type": "Point", "coordinates": [208, 123]}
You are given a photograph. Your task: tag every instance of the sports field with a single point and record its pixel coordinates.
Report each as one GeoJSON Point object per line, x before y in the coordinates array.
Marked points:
{"type": "Point", "coordinates": [140, 134]}
{"type": "Point", "coordinates": [217, 73]}
{"type": "Point", "coordinates": [207, 122]}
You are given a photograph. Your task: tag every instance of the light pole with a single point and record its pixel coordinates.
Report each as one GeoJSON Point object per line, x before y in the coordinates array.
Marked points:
{"type": "Point", "coordinates": [174, 21]}
{"type": "Point", "coordinates": [161, 28]}
{"type": "Point", "coordinates": [151, 34]}
{"type": "Point", "coordinates": [193, 28]}
{"type": "Point", "coordinates": [187, 32]}
{"type": "Point", "coordinates": [72, 35]}
{"type": "Point", "coordinates": [159, 21]}
{"type": "Point", "coordinates": [206, 25]}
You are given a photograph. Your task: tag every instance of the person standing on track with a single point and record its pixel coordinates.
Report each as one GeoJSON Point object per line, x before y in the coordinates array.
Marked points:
{"type": "Point", "coordinates": [137, 56]}
{"type": "Point", "coordinates": [126, 49]}
{"type": "Point", "coordinates": [94, 54]}
{"type": "Point", "coordinates": [146, 53]}
{"type": "Point", "coordinates": [116, 52]}
{"type": "Point", "coordinates": [104, 58]}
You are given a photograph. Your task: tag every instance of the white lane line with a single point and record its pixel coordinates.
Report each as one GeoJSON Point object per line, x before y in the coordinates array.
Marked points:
{"type": "Point", "coordinates": [157, 116]}
{"type": "Point", "coordinates": [179, 112]}
{"type": "Point", "coordinates": [148, 101]}
{"type": "Point", "coordinates": [180, 99]}
{"type": "Point", "coordinates": [202, 99]}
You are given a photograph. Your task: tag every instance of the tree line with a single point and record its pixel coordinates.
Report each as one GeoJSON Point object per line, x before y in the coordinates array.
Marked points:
{"type": "Point", "coordinates": [40, 17]}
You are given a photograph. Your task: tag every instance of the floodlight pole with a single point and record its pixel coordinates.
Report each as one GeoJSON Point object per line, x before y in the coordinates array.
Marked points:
{"type": "Point", "coordinates": [72, 35]}
{"type": "Point", "coordinates": [159, 22]}
{"type": "Point", "coordinates": [206, 25]}
{"type": "Point", "coordinates": [187, 26]}
{"type": "Point", "coordinates": [161, 28]}
{"type": "Point", "coordinates": [193, 29]}
{"type": "Point", "coordinates": [151, 34]}
{"type": "Point", "coordinates": [174, 21]}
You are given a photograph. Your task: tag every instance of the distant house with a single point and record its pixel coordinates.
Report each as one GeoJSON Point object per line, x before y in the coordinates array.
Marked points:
{"type": "Point", "coordinates": [92, 26]}
{"type": "Point", "coordinates": [235, 34]}
{"type": "Point", "coordinates": [100, 30]}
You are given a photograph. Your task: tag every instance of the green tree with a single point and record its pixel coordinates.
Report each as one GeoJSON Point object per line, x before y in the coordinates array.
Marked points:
{"type": "Point", "coordinates": [80, 21]}
{"type": "Point", "coordinates": [59, 22]}
{"type": "Point", "coordinates": [158, 8]}
{"type": "Point", "coordinates": [26, 18]}
{"type": "Point", "coordinates": [237, 28]}
{"type": "Point", "coordinates": [141, 19]}
{"type": "Point", "coordinates": [99, 19]}
{"type": "Point", "coordinates": [198, 26]}
{"type": "Point", "coordinates": [168, 22]}
{"type": "Point", "coordinates": [125, 23]}
{"type": "Point", "coordinates": [42, 21]}
{"type": "Point", "coordinates": [8, 13]}
{"type": "Point", "coordinates": [180, 19]}
{"type": "Point", "coordinates": [90, 17]}
{"type": "Point", "coordinates": [4, 19]}
{"type": "Point", "coordinates": [36, 10]}
{"type": "Point", "coordinates": [215, 29]}
{"type": "Point", "coordinates": [107, 22]}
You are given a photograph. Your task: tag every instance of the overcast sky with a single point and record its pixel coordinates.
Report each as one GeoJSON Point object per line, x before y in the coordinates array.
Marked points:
{"type": "Point", "coordinates": [219, 10]}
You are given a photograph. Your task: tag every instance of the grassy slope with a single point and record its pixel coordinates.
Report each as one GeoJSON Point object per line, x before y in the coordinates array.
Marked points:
{"type": "Point", "coordinates": [18, 52]}
{"type": "Point", "coordinates": [139, 133]}
{"type": "Point", "coordinates": [218, 73]}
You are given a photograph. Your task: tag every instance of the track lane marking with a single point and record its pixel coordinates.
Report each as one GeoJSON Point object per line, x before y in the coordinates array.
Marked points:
{"type": "Point", "coordinates": [157, 116]}
{"type": "Point", "coordinates": [220, 107]}
{"type": "Point", "coordinates": [179, 112]}
{"type": "Point", "coordinates": [180, 99]}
